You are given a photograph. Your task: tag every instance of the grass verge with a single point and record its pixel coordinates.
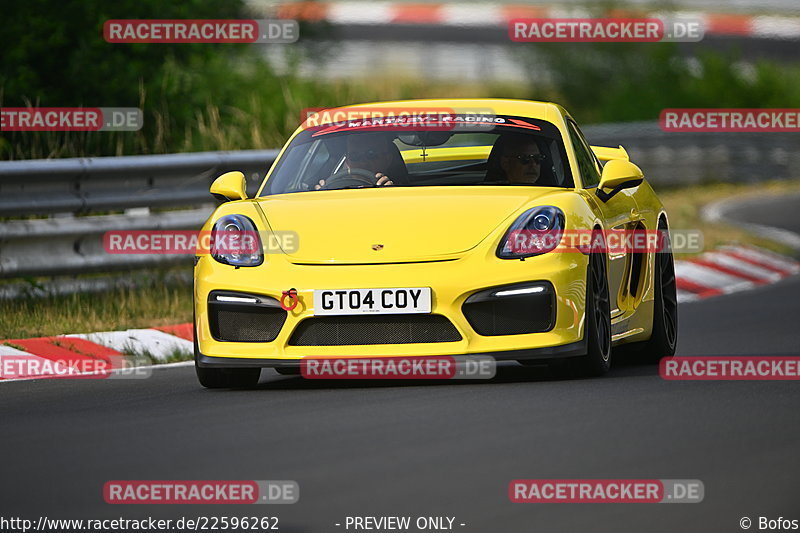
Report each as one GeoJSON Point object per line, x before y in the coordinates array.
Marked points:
{"type": "Point", "coordinates": [118, 309]}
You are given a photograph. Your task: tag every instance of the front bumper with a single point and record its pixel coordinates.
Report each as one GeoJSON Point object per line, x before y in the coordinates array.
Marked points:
{"type": "Point", "coordinates": [452, 283]}
{"type": "Point", "coordinates": [574, 349]}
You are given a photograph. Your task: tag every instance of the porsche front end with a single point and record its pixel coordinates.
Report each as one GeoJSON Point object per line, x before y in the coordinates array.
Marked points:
{"type": "Point", "coordinates": [368, 280]}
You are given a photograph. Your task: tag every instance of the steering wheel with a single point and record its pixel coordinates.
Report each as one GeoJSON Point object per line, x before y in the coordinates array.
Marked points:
{"type": "Point", "coordinates": [351, 178]}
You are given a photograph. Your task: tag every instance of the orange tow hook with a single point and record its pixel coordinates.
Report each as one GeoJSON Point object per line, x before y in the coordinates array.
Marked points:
{"type": "Point", "coordinates": [292, 295]}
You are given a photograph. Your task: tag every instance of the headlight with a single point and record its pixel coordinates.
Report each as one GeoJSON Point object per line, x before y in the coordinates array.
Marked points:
{"type": "Point", "coordinates": [235, 241]}
{"type": "Point", "coordinates": [536, 231]}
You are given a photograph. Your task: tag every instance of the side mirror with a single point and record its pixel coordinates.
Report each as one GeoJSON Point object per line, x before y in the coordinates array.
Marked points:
{"type": "Point", "coordinates": [230, 186]}
{"type": "Point", "coordinates": [618, 174]}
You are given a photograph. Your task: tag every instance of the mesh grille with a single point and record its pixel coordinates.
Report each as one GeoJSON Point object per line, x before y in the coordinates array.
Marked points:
{"type": "Point", "coordinates": [510, 316]}
{"type": "Point", "coordinates": [355, 330]}
{"type": "Point", "coordinates": [244, 324]}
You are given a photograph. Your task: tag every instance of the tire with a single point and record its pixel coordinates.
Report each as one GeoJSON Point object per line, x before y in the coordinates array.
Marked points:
{"type": "Point", "coordinates": [211, 378]}
{"type": "Point", "coordinates": [224, 378]}
{"type": "Point", "coordinates": [227, 378]}
{"type": "Point", "coordinates": [288, 370]}
{"type": "Point", "coordinates": [664, 337]}
{"type": "Point", "coordinates": [597, 360]}
{"type": "Point", "coordinates": [242, 378]}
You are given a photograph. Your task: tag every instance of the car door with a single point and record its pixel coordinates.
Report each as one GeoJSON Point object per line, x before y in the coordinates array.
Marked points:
{"type": "Point", "coordinates": [619, 213]}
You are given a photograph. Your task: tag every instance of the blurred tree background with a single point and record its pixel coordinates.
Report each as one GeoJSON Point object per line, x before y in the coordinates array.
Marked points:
{"type": "Point", "coordinates": [228, 97]}
{"type": "Point", "coordinates": [54, 55]}
{"type": "Point", "coordinates": [620, 82]}
{"type": "Point", "coordinates": [194, 96]}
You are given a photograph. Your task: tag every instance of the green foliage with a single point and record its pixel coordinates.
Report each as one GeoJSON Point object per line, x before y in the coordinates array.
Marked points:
{"type": "Point", "coordinates": [227, 97]}
{"type": "Point", "coordinates": [617, 82]}
{"type": "Point", "coordinates": [54, 55]}
{"type": "Point", "coordinates": [54, 51]}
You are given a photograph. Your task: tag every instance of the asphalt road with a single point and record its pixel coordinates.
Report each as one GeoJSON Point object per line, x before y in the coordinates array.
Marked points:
{"type": "Point", "coordinates": [777, 211]}
{"type": "Point", "coordinates": [440, 449]}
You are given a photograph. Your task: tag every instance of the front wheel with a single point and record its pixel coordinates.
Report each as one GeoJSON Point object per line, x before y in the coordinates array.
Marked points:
{"type": "Point", "coordinates": [211, 378]}
{"type": "Point", "coordinates": [224, 378]}
{"type": "Point", "coordinates": [227, 378]}
{"type": "Point", "coordinates": [664, 337]}
{"type": "Point", "coordinates": [597, 360]}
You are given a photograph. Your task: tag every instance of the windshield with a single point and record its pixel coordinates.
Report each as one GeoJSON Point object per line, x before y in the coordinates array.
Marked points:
{"type": "Point", "coordinates": [513, 151]}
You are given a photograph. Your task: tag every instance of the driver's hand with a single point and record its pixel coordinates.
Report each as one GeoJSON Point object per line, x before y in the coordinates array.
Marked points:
{"type": "Point", "coordinates": [383, 179]}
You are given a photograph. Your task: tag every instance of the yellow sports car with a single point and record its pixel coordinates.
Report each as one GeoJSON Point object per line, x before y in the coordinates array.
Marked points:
{"type": "Point", "coordinates": [434, 228]}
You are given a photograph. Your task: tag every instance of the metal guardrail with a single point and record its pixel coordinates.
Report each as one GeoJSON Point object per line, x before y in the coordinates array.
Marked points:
{"type": "Point", "coordinates": [68, 244]}
{"type": "Point", "coordinates": [54, 246]}
{"type": "Point", "coordinates": [111, 183]}
{"type": "Point", "coordinates": [670, 159]}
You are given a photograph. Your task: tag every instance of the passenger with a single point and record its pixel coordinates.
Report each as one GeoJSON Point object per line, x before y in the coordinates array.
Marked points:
{"type": "Point", "coordinates": [515, 159]}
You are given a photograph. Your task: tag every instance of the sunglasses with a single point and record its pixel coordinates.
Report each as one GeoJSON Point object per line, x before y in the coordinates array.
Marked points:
{"type": "Point", "coordinates": [528, 158]}
{"type": "Point", "coordinates": [366, 155]}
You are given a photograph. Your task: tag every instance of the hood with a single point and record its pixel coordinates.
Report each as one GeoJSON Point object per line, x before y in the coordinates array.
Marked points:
{"type": "Point", "coordinates": [404, 224]}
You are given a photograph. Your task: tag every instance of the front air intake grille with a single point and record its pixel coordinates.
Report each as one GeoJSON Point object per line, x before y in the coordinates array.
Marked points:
{"type": "Point", "coordinates": [245, 322]}
{"type": "Point", "coordinates": [386, 329]}
{"type": "Point", "coordinates": [515, 314]}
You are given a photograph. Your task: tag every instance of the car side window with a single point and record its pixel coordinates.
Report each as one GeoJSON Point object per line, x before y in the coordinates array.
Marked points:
{"type": "Point", "coordinates": [587, 162]}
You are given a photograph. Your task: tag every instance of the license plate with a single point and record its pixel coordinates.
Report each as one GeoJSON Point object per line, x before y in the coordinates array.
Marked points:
{"type": "Point", "coordinates": [372, 301]}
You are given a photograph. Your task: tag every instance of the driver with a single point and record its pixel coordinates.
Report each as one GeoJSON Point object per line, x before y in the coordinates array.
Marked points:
{"type": "Point", "coordinates": [521, 160]}
{"type": "Point", "coordinates": [369, 152]}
